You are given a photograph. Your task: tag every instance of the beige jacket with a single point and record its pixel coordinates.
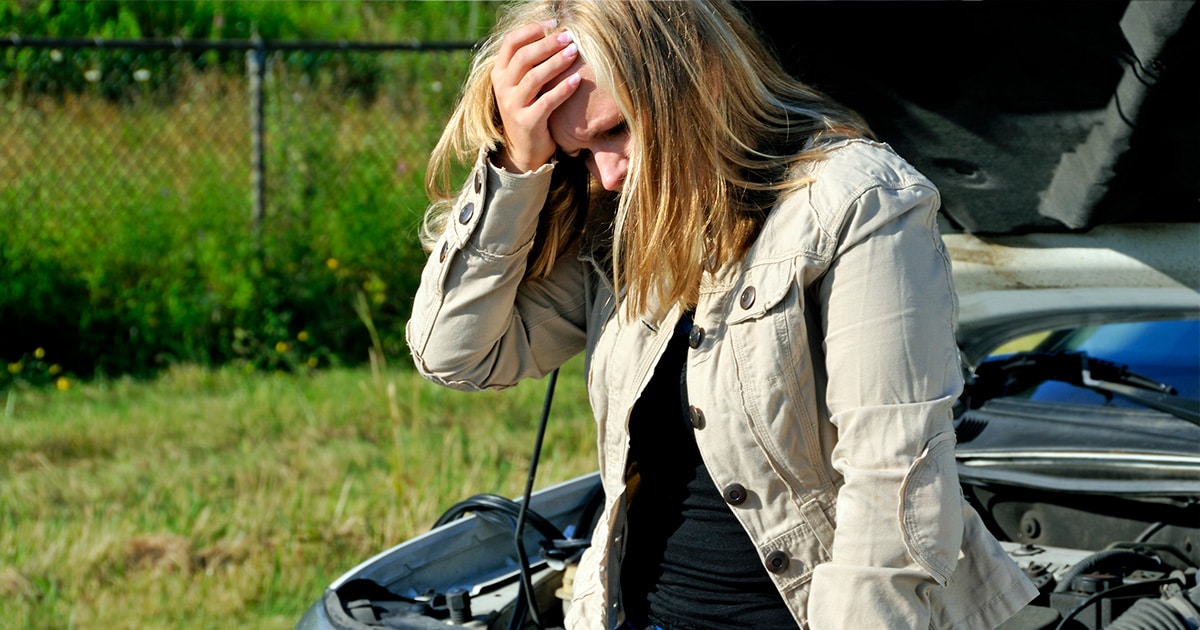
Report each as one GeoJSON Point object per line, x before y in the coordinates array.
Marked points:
{"type": "Point", "coordinates": [822, 371]}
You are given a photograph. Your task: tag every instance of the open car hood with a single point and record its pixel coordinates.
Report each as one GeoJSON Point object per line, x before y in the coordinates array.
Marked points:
{"type": "Point", "coordinates": [1062, 136]}
{"type": "Point", "coordinates": [1030, 117]}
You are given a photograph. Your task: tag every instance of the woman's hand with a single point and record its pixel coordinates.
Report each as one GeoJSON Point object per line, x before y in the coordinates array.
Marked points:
{"type": "Point", "coordinates": [528, 83]}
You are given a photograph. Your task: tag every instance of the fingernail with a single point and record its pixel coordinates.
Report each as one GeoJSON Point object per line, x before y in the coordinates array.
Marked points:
{"type": "Point", "coordinates": [565, 37]}
{"type": "Point", "coordinates": [551, 23]}
{"type": "Point", "coordinates": [574, 80]}
{"type": "Point", "coordinates": [570, 51]}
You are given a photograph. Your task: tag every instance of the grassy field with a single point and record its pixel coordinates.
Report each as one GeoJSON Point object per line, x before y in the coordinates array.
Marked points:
{"type": "Point", "coordinates": [209, 498]}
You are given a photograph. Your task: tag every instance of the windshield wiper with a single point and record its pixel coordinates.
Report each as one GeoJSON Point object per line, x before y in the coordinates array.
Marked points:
{"type": "Point", "coordinates": [1001, 377]}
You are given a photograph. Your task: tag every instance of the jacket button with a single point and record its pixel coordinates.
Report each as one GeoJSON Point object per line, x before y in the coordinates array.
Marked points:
{"type": "Point", "coordinates": [747, 299]}
{"type": "Point", "coordinates": [442, 254]}
{"type": "Point", "coordinates": [696, 337]}
{"type": "Point", "coordinates": [777, 561]}
{"type": "Point", "coordinates": [466, 213]}
{"type": "Point", "coordinates": [478, 181]}
{"type": "Point", "coordinates": [734, 493]}
{"type": "Point", "coordinates": [697, 417]}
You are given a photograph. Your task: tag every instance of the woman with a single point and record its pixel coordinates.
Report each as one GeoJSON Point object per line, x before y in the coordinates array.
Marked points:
{"type": "Point", "coordinates": [766, 311]}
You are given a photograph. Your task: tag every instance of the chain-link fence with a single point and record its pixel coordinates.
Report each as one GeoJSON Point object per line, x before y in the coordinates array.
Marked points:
{"type": "Point", "coordinates": [184, 200]}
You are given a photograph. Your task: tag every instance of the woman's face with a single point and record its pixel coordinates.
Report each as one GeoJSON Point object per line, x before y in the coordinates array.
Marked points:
{"type": "Point", "coordinates": [589, 126]}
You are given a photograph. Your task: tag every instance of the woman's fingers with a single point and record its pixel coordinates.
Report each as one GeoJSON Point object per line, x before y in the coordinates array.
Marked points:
{"type": "Point", "coordinates": [526, 61]}
{"type": "Point", "coordinates": [520, 37]}
{"type": "Point", "coordinates": [557, 93]}
{"type": "Point", "coordinates": [543, 60]}
{"type": "Point", "coordinates": [529, 83]}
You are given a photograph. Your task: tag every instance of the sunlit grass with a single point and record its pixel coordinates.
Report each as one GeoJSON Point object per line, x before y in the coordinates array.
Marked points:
{"type": "Point", "coordinates": [214, 499]}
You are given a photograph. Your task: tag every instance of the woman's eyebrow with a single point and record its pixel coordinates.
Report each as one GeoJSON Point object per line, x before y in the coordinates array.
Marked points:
{"type": "Point", "coordinates": [579, 140]}
{"type": "Point", "coordinates": [606, 128]}
{"type": "Point", "coordinates": [569, 140]}
{"type": "Point", "coordinates": [568, 152]}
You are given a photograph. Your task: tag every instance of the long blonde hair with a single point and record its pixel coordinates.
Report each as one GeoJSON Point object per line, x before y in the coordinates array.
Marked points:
{"type": "Point", "coordinates": [716, 128]}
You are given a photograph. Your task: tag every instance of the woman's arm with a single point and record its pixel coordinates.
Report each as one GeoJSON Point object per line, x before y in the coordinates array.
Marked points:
{"type": "Point", "coordinates": [477, 322]}
{"type": "Point", "coordinates": [888, 310]}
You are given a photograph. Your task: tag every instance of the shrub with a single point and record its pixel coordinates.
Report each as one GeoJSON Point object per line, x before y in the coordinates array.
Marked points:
{"type": "Point", "coordinates": [130, 246]}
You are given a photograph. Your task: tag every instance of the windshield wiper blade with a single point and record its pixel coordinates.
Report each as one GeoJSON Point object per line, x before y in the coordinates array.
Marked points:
{"type": "Point", "coordinates": [1101, 371]}
{"type": "Point", "coordinates": [994, 379]}
{"type": "Point", "coordinates": [1169, 402]}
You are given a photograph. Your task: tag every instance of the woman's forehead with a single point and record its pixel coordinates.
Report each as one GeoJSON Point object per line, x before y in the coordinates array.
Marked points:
{"type": "Point", "coordinates": [587, 113]}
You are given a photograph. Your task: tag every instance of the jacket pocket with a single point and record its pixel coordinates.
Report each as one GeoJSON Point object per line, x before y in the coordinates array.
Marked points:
{"type": "Point", "coordinates": [766, 332]}
{"type": "Point", "coordinates": [930, 509]}
{"type": "Point", "coordinates": [761, 289]}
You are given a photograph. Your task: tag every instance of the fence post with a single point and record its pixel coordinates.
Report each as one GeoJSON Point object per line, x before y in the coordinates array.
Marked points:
{"type": "Point", "coordinates": [255, 68]}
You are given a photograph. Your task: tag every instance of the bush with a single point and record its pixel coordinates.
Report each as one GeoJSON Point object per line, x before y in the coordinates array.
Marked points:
{"type": "Point", "coordinates": [124, 185]}
{"type": "Point", "coordinates": [122, 74]}
{"type": "Point", "coordinates": [130, 246]}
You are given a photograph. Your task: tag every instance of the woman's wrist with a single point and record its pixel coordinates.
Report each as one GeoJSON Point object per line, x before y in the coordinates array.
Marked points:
{"type": "Point", "coordinates": [503, 158]}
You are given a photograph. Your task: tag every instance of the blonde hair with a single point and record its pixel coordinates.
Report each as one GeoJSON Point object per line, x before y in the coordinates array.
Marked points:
{"type": "Point", "coordinates": [716, 128]}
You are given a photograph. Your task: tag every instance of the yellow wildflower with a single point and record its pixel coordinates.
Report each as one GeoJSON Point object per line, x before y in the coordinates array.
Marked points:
{"type": "Point", "coordinates": [332, 263]}
{"type": "Point", "coordinates": [14, 368]}
{"type": "Point", "coordinates": [63, 384]}
{"type": "Point", "coordinates": [40, 353]}
{"type": "Point", "coordinates": [303, 336]}
{"type": "Point", "coordinates": [281, 347]}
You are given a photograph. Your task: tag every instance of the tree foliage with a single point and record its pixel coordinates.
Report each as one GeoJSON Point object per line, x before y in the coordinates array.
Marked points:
{"type": "Point", "coordinates": [351, 20]}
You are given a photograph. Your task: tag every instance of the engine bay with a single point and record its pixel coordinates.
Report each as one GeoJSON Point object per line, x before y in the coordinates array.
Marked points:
{"type": "Point", "coordinates": [1099, 561]}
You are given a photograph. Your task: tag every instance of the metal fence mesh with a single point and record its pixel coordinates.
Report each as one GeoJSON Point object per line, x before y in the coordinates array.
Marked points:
{"type": "Point", "coordinates": [92, 131]}
{"type": "Point", "coordinates": [137, 176]}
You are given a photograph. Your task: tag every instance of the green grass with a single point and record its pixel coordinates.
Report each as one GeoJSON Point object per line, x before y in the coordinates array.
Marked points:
{"type": "Point", "coordinates": [210, 498]}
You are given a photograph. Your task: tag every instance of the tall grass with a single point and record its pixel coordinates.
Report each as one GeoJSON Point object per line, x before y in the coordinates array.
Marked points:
{"type": "Point", "coordinates": [211, 499]}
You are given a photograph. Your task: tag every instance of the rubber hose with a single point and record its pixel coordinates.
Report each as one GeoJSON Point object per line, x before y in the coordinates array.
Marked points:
{"type": "Point", "coordinates": [1149, 614]}
{"type": "Point", "coordinates": [1090, 563]}
{"type": "Point", "coordinates": [1159, 614]}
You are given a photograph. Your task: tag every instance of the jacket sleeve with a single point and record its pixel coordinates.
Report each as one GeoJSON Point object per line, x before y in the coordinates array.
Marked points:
{"type": "Point", "coordinates": [477, 323]}
{"type": "Point", "coordinates": [888, 310]}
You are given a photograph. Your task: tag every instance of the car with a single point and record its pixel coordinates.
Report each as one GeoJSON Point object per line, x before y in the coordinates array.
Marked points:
{"type": "Point", "coordinates": [1081, 450]}
{"type": "Point", "coordinates": [1062, 137]}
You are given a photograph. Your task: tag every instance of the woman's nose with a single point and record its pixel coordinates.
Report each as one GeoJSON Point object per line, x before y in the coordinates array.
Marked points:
{"type": "Point", "coordinates": [609, 167]}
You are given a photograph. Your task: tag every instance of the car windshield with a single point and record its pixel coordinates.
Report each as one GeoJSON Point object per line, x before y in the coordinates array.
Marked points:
{"type": "Point", "coordinates": [1164, 351]}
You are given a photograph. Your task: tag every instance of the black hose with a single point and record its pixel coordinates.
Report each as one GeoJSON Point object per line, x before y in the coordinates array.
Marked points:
{"type": "Point", "coordinates": [482, 504]}
{"type": "Point", "coordinates": [1150, 531]}
{"type": "Point", "coordinates": [1159, 614]}
{"type": "Point", "coordinates": [1149, 614]}
{"type": "Point", "coordinates": [1149, 585]}
{"type": "Point", "coordinates": [1089, 564]}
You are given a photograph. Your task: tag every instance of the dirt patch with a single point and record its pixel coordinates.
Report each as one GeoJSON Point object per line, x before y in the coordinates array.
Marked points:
{"type": "Point", "coordinates": [14, 585]}
{"type": "Point", "coordinates": [164, 553]}
{"type": "Point", "coordinates": [221, 554]}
